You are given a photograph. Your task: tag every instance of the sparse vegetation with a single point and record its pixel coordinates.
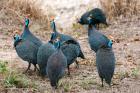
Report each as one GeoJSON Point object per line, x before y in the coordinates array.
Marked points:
{"type": "Point", "coordinates": [11, 78]}
{"type": "Point", "coordinates": [76, 26]}
{"type": "Point", "coordinates": [17, 10]}
{"type": "Point", "coordinates": [27, 8]}
{"type": "Point", "coordinates": [123, 75]}
{"type": "Point", "coordinates": [3, 67]}
{"type": "Point", "coordinates": [66, 85]}
{"type": "Point", "coordinates": [123, 8]}
{"type": "Point", "coordinates": [87, 83]}
{"type": "Point", "coordinates": [135, 72]}
{"type": "Point", "coordinates": [17, 80]}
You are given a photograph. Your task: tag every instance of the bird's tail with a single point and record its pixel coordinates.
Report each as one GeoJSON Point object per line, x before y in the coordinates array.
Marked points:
{"type": "Point", "coordinates": [81, 54]}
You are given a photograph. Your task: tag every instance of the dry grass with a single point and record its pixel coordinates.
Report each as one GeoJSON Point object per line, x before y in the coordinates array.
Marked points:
{"type": "Point", "coordinates": [28, 8]}
{"type": "Point", "coordinates": [123, 8]}
{"type": "Point", "coordinates": [13, 12]}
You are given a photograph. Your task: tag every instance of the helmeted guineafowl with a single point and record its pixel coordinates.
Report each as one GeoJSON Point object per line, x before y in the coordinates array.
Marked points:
{"type": "Point", "coordinates": [96, 38]}
{"type": "Point", "coordinates": [27, 48]}
{"type": "Point", "coordinates": [97, 16]}
{"type": "Point", "coordinates": [56, 65]}
{"type": "Point", "coordinates": [105, 61]}
{"type": "Point", "coordinates": [44, 52]}
{"type": "Point", "coordinates": [71, 51]}
{"type": "Point", "coordinates": [17, 39]}
{"type": "Point", "coordinates": [28, 35]}
{"type": "Point", "coordinates": [64, 37]}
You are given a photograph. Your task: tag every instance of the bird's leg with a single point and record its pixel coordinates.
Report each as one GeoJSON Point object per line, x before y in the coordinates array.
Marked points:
{"type": "Point", "coordinates": [68, 70]}
{"type": "Point", "coordinates": [77, 64]}
{"type": "Point", "coordinates": [102, 82]}
{"type": "Point", "coordinates": [29, 65]}
{"type": "Point", "coordinates": [35, 67]}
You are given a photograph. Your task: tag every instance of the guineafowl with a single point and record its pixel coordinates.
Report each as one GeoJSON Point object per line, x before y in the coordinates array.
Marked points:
{"type": "Point", "coordinates": [56, 65]}
{"type": "Point", "coordinates": [17, 39]}
{"type": "Point", "coordinates": [105, 61]}
{"type": "Point", "coordinates": [27, 48]}
{"type": "Point", "coordinates": [96, 38]}
{"type": "Point", "coordinates": [28, 35]}
{"type": "Point", "coordinates": [44, 52]}
{"type": "Point", "coordinates": [64, 37]}
{"type": "Point", "coordinates": [97, 16]}
{"type": "Point", "coordinates": [71, 51]}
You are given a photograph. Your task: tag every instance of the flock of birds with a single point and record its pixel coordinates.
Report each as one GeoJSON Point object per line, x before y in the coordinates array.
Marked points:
{"type": "Point", "coordinates": [62, 50]}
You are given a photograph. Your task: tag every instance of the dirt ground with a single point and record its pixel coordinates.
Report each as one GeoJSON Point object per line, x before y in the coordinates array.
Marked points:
{"type": "Point", "coordinates": [126, 36]}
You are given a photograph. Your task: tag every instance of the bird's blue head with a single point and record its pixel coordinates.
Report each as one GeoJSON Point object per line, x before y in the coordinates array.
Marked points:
{"type": "Point", "coordinates": [17, 38]}
{"type": "Point", "coordinates": [91, 20]}
{"type": "Point", "coordinates": [110, 43]}
{"type": "Point", "coordinates": [27, 21]}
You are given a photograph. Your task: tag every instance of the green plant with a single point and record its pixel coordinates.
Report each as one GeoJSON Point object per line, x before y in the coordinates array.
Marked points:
{"type": "Point", "coordinates": [3, 67]}
{"type": "Point", "coordinates": [10, 81]}
{"type": "Point", "coordinates": [66, 85]}
{"type": "Point", "coordinates": [18, 81]}
{"type": "Point", "coordinates": [76, 26]}
{"type": "Point", "coordinates": [135, 72]}
{"type": "Point", "coordinates": [123, 75]}
{"type": "Point", "coordinates": [87, 83]}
